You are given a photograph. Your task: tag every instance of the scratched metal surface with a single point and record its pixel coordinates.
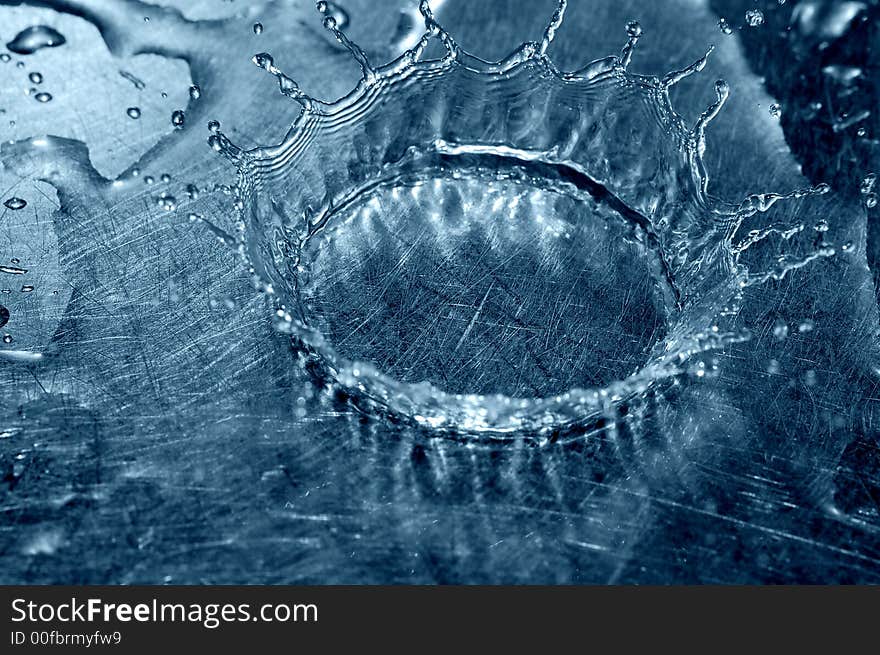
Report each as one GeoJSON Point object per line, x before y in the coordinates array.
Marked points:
{"type": "Point", "coordinates": [165, 434]}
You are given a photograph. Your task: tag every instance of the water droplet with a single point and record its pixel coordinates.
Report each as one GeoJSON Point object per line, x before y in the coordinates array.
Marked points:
{"type": "Point", "coordinates": [871, 200]}
{"type": "Point", "coordinates": [166, 178]}
{"type": "Point", "coordinates": [754, 17]}
{"type": "Point", "coordinates": [258, 28]}
{"type": "Point", "coordinates": [861, 132]}
{"type": "Point", "coordinates": [264, 60]}
{"type": "Point", "coordinates": [167, 202]}
{"type": "Point", "coordinates": [780, 329]}
{"type": "Point", "coordinates": [149, 179]}
{"type": "Point", "coordinates": [35, 78]}
{"type": "Point", "coordinates": [5, 58]}
{"type": "Point", "coordinates": [724, 26]}
{"type": "Point", "coordinates": [7, 338]}
{"type": "Point", "coordinates": [178, 118]}
{"type": "Point", "coordinates": [192, 191]}
{"type": "Point", "coordinates": [4, 316]}
{"type": "Point", "coordinates": [195, 92]}
{"type": "Point", "coordinates": [133, 112]}
{"type": "Point", "coordinates": [214, 126]}
{"type": "Point", "coordinates": [806, 325]}
{"type": "Point", "coordinates": [15, 203]}
{"type": "Point", "coordinates": [27, 288]}
{"type": "Point", "coordinates": [43, 97]}
{"type": "Point", "coordinates": [775, 110]}
{"type": "Point", "coordinates": [634, 28]}
{"type": "Point", "coordinates": [34, 38]}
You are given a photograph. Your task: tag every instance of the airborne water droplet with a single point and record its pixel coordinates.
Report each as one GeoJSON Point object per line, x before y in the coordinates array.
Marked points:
{"type": "Point", "coordinates": [43, 97]}
{"type": "Point", "coordinates": [133, 112]}
{"type": "Point", "coordinates": [178, 118]}
{"type": "Point", "coordinates": [34, 38]}
{"type": "Point", "coordinates": [35, 78]}
{"type": "Point", "coordinates": [15, 203]}
{"type": "Point", "coordinates": [754, 17]}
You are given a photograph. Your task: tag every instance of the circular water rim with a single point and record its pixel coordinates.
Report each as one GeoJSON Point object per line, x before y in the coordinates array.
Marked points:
{"type": "Point", "coordinates": [495, 416]}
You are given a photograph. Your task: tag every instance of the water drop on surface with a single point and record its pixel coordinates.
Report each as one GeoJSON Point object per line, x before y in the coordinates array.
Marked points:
{"type": "Point", "coordinates": [754, 17]}
{"type": "Point", "coordinates": [166, 178]}
{"type": "Point", "coordinates": [34, 38]}
{"type": "Point", "coordinates": [35, 78]}
{"type": "Point", "coordinates": [133, 112]}
{"type": "Point", "coordinates": [43, 97]}
{"type": "Point", "coordinates": [149, 179]}
{"type": "Point", "coordinates": [806, 325]}
{"type": "Point", "coordinates": [258, 28]}
{"type": "Point", "coordinates": [167, 202]}
{"type": "Point", "coordinates": [15, 203]}
{"type": "Point", "coordinates": [5, 58]}
{"type": "Point", "coordinates": [195, 92]}
{"type": "Point", "coordinates": [780, 329]}
{"type": "Point", "coordinates": [178, 118]}
{"type": "Point", "coordinates": [7, 338]}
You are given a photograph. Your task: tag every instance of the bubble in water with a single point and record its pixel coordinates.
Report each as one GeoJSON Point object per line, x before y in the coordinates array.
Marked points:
{"type": "Point", "coordinates": [724, 26]}
{"type": "Point", "coordinates": [178, 118]}
{"type": "Point", "coordinates": [166, 178]}
{"type": "Point", "coordinates": [4, 316]}
{"type": "Point", "coordinates": [35, 78]}
{"type": "Point", "coordinates": [5, 58]}
{"type": "Point", "coordinates": [195, 92]}
{"type": "Point", "coordinates": [754, 17]}
{"type": "Point", "coordinates": [149, 179]}
{"type": "Point", "coordinates": [7, 338]}
{"type": "Point", "coordinates": [133, 112]}
{"type": "Point", "coordinates": [34, 38]}
{"type": "Point", "coordinates": [43, 97]}
{"type": "Point", "coordinates": [15, 203]}
{"type": "Point", "coordinates": [258, 28]}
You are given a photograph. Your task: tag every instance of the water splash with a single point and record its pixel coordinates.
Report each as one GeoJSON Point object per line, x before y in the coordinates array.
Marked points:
{"type": "Point", "coordinates": [438, 154]}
